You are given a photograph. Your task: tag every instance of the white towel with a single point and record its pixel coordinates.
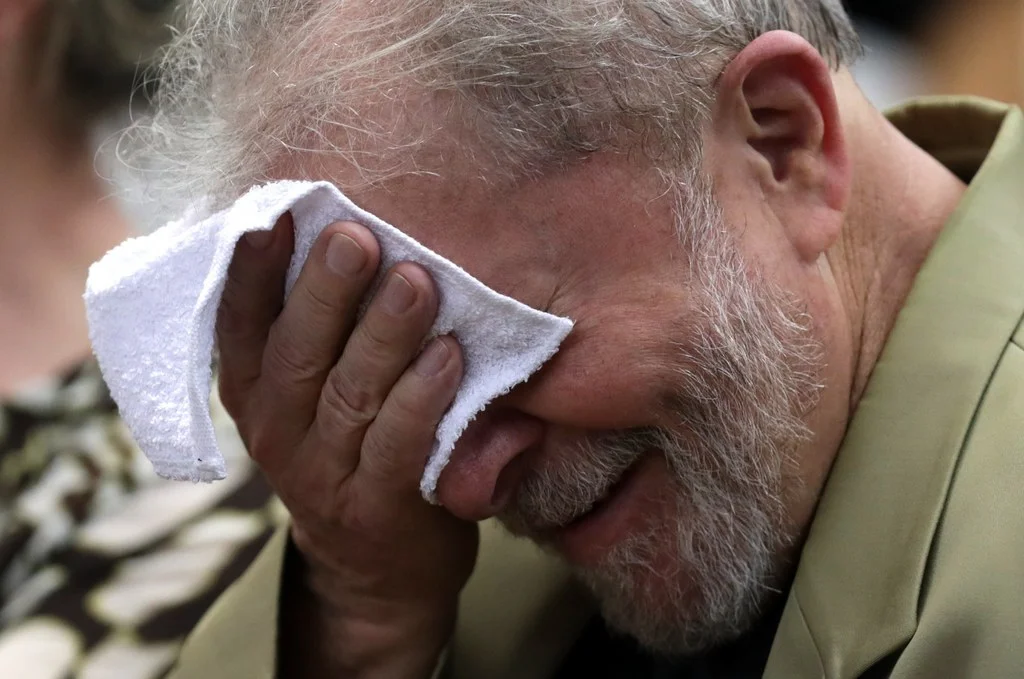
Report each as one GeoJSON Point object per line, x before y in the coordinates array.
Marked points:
{"type": "Point", "coordinates": [152, 305]}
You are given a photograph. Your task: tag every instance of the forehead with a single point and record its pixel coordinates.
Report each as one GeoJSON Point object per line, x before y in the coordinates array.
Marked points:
{"type": "Point", "coordinates": [595, 243]}
{"type": "Point", "coordinates": [516, 235]}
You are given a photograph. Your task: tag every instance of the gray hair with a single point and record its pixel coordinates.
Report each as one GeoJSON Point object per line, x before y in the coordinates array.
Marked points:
{"type": "Point", "coordinates": [250, 88]}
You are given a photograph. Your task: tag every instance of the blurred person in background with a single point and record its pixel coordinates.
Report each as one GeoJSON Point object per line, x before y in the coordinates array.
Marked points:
{"type": "Point", "coordinates": [975, 47]}
{"type": "Point", "coordinates": [892, 69]}
{"type": "Point", "coordinates": [900, 17]}
{"type": "Point", "coordinates": [917, 47]}
{"type": "Point", "coordinates": [103, 567]}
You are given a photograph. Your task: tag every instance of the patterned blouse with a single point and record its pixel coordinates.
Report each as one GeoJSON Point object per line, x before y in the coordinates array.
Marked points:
{"type": "Point", "coordinates": [104, 567]}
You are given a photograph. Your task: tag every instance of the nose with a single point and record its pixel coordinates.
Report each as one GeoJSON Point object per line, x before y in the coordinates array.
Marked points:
{"type": "Point", "coordinates": [487, 463]}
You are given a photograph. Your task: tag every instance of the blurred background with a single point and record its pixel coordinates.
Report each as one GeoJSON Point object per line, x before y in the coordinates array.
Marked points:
{"type": "Point", "coordinates": [917, 47]}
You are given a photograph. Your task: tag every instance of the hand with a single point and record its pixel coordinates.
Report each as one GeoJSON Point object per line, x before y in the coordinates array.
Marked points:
{"type": "Point", "coordinates": [341, 417]}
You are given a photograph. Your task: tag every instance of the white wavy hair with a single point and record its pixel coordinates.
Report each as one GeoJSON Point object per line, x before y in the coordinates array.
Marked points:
{"type": "Point", "coordinates": [251, 89]}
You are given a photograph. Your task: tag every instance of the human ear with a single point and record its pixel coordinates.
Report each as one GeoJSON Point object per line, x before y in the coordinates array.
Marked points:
{"type": "Point", "coordinates": [776, 104]}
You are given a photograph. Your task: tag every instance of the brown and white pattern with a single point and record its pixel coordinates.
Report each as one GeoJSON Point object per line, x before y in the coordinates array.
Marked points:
{"type": "Point", "coordinates": [104, 567]}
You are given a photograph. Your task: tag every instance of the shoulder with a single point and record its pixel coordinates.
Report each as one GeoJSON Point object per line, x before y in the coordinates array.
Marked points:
{"type": "Point", "coordinates": [970, 612]}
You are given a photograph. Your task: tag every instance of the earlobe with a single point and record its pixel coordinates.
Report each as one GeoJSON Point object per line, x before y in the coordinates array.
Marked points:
{"type": "Point", "coordinates": [778, 98]}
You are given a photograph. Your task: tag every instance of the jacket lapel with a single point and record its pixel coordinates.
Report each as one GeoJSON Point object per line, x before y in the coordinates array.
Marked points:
{"type": "Point", "coordinates": [855, 598]}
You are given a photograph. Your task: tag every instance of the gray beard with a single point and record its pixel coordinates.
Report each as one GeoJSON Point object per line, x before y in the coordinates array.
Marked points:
{"type": "Point", "coordinates": [747, 375]}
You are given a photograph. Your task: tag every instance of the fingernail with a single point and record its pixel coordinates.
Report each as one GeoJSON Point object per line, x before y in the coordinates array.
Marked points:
{"type": "Point", "coordinates": [434, 359]}
{"type": "Point", "coordinates": [398, 295]}
{"type": "Point", "coordinates": [260, 240]}
{"type": "Point", "coordinates": [345, 257]}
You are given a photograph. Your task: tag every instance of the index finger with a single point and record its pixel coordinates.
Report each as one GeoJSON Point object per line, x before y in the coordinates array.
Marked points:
{"type": "Point", "coordinates": [253, 297]}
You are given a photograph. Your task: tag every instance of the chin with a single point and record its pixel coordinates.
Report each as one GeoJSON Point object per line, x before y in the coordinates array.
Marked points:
{"type": "Point", "coordinates": [682, 538]}
{"type": "Point", "coordinates": [688, 582]}
{"type": "Point", "coordinates": [668, 613]}
{"type": "Point", "coordinates": [679, 575]}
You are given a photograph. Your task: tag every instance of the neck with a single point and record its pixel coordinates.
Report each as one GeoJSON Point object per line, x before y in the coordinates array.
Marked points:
{"type": "Point", "coordinates": [901, 200]}
{"type": "Point", "coordinates": [56, 221]}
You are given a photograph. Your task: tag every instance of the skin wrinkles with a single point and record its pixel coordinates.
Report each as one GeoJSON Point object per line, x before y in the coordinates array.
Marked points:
{"type": "Point", "coordinates": [673, 451]}
{"type": "Point", "coordinates": [586, 399]}
{"type": "Point", "coordinates": [726, 217]}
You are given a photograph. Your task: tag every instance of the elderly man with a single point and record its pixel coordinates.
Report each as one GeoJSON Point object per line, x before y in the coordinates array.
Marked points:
{"type": "Point", "coordinates": [785, 436]}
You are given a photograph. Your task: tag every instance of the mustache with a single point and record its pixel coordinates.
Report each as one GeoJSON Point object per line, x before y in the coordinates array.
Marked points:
{"type": "Point", "coordinates": [567, 488]}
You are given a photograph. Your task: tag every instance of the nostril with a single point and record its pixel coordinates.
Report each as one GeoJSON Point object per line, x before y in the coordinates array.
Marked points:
{"type": "Point", "coordinates": [487, 464]}
{"type": "Point", "coordinates": [508, 481]}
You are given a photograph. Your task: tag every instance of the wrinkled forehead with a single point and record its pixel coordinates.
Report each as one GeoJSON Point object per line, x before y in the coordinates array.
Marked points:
{"type": "Point", "coordinates": [511, 234]}
{"type": "Point", "coordinates": [417, 158]}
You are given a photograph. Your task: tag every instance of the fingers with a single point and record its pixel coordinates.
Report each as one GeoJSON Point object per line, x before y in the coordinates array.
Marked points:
{"type": "Point", "coordinates": [253, 297]}
{"type": "Point", "coordinates": [359, 395]}
{"type": "Point", "coordinates": [399, 441]}
{"type": "Point", "coordinates": [377, 354]}
{"type": "Point", "coordinates": [307, 338]}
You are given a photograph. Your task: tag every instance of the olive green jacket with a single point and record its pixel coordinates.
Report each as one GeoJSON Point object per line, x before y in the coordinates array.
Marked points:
{"type": "Point", "coordinates": [914, 565]}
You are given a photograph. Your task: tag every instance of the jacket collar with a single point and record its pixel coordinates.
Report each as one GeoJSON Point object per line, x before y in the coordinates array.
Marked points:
{"type": "Point", "coordinates": [519, 615]}
{"type": "Point", "coordinates": [855, 598]}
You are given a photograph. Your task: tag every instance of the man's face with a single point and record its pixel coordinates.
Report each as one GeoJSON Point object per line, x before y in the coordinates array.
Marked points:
{"type": "Point", "coordinates": [659, 459]}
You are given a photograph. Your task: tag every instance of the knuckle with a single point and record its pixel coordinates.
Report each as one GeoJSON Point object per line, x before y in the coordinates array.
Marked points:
{"type": "Point", "coordinates": [232, 319]}
{"type": "Point", "coordinates": [348, 401]}
{"type": "Point", "coordinates": [323, 303]}
{"type": "Point", "coordinates": [418, 410]}
{"type": "Point", "coordinates": [390, 446]}
{"type": "Point", "coordinates": [386, 458]}
{"type": "Point", "coordinates": [284, 357]}
{"type": "Point", "coordinates": [310, 496]}
{"type": "Point", "coordinates": [375, 343]}
{"type": "Point", "coordinates": [258, 442]}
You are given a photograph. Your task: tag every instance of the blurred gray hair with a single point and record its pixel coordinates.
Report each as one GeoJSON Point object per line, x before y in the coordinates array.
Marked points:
{"type": "Point", "coordinates": [254, 88]}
